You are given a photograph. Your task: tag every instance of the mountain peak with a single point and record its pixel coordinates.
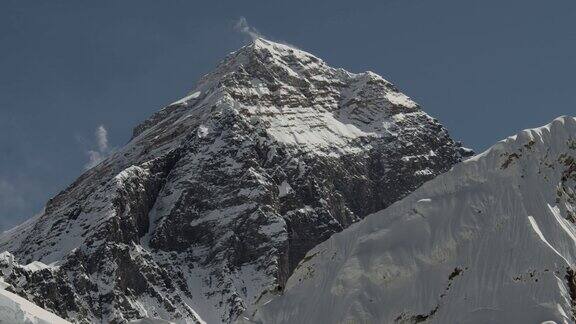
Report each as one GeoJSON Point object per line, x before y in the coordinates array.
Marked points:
{"type": "Point", "coordinates": [264, 55]}
{"type": "Point", "coordinates": [220, 194]}
{"type": "Point", "coordinates": [262, 44]}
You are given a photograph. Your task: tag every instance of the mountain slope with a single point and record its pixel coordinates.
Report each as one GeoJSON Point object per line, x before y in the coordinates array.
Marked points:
{"type": "Point", "coordinates": [17, 310]}
{"type": "Point", "coordinates": [491, 241]}
{"type": "Point", "coordinates": [218, 196]}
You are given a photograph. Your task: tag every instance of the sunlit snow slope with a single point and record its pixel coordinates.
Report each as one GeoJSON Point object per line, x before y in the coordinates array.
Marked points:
{"type": "Point", "coordinates": [17, 310]}
{"type": "Point", "coordinates": [491, 241]}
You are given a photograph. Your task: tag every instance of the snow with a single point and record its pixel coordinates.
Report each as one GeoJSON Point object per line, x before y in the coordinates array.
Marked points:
{"type": "Point", "coordinates": [328, 125]}
{"type": "Point", "coordinates": [17, 310]}
{"type": "Point", "coordinates": [202, 131]}
{"type": "Point", "coordinates": [284, 189]}
{"type": "Point", "coordinates": [193, 95]}
{"type": "Point", "coordinates": [36, 266]}
{"type": "Point", "coordinates": [400, 99]}
{"type": "Point", "coordinates": [489, 241]}
{"type": "Point", "coordinates": [317, 131]}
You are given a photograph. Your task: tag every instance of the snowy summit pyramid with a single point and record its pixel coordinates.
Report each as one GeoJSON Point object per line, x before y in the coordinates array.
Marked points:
{"type": "Point", "coordinates": [491, 241]}
{"type": "Point", "coordinates": [218, 196]}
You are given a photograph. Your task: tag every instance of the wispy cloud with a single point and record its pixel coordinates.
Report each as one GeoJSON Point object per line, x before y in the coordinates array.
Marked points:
{"type": "Point", "coordinates": [102, 138]}
{"type": "Point", "coordinates": [103, 149]}
{"type": "Point", "coordinates": [243, 27]}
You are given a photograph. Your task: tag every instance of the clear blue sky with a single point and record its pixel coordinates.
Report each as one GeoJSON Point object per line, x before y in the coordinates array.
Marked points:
{"type": "Point", "coordinates": [486, 69]}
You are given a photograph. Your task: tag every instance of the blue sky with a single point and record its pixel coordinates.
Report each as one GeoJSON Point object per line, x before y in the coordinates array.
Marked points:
{"type": "Point", "coordinates": [485, 69]}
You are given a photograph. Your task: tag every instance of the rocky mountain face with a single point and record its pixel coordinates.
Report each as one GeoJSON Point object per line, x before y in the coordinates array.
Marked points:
{"type": "Point", "coordinates": [491, 241]}
{"type": "Point", "coordinates": [217, 197]}
{"type": "Point", "coordinates": [15, 309]}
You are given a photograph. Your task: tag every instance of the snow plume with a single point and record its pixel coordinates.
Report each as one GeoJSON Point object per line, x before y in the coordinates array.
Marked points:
{"type": "Point", "coordinates": [96, 156]}
{"type": "Point", "coordinates": [243, 27]}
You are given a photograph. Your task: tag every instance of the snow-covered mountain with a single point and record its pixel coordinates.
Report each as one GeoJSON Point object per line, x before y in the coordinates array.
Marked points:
{"type": "Point", "coordinates": [491, 241]}
{"type": "Point", "coordinates": [218, 196]}
{"type": "Point", "coordinates": [17, 310]}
